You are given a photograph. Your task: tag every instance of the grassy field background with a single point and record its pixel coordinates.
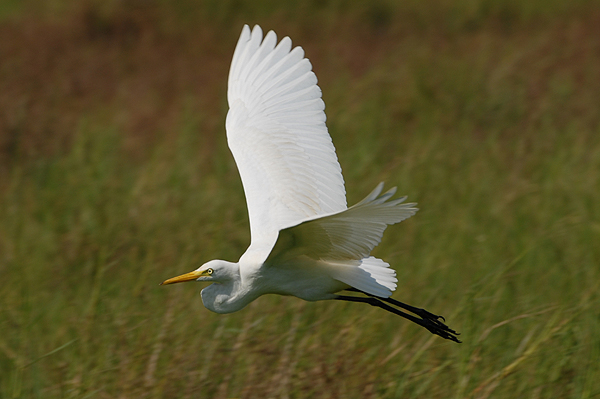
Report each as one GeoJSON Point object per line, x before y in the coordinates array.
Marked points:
{"type": "Point", "coordinates": [115, 175]}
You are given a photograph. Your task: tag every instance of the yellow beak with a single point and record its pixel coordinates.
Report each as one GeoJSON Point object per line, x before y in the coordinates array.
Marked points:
{"type": "Point", "coordinates": [183, 278]}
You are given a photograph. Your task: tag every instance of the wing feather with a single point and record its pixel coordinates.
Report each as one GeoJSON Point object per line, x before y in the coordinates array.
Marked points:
{"type": "Point", "coordinates": [342, 242]}
{"type": "Point", "coordinates": [344, 236]}
{"type": "Point", "coordinates": [277, 134]}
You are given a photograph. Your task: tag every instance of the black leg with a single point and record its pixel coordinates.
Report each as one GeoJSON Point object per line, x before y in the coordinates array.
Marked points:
{"type": "Point", "coordinates": [418, 311]}
{"type": "Point", "coordinates": [428, 320]}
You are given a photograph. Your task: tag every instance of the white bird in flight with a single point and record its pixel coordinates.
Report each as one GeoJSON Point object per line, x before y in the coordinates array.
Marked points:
{"type": "Point", "coordinates": [305, 241]}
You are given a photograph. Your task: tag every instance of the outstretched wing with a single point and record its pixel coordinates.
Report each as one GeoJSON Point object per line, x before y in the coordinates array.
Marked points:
{"type": "Point", "coordinates": [277, 134]}
{"type": "Point", "coordinates": [349, 235]}
{"type": "Point", "coordinates": [342, 242]}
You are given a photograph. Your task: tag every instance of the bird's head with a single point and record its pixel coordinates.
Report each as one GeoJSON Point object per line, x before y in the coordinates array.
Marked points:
{"type": "Point", "coordinates": [215, 271]}
{"type": "Point", "coordinates": [222, 296]}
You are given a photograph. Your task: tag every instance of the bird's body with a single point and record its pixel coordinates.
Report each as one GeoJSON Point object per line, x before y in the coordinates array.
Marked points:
{"type": "Point", "coordinates": [305, 280]}
{"type": "Point", "coordinates": [305, 241]}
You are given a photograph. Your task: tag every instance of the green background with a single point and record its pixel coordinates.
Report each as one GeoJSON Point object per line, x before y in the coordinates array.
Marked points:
{"type": "Point", "coordinates": [115, 175]}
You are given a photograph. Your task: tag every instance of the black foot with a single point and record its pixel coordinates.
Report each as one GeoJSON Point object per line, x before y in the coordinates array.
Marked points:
{"type": "Point", "coordinates": [433, 323]}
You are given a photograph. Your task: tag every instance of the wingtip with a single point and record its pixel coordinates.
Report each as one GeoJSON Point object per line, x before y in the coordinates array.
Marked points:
{"type": "Point", "coordinates": [257, 30]}
{"type": "Point", "coordinates": [245, 31]}
{"type": "Point", "coordinates": [389, 193]}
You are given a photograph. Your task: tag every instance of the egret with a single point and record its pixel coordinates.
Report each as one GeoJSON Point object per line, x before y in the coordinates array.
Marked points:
{"type": "Point", "coordinates": [305, 241]}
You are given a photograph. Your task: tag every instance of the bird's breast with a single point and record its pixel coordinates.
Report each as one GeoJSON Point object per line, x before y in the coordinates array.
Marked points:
{"type": "Point", "coordinates": [222, 299]}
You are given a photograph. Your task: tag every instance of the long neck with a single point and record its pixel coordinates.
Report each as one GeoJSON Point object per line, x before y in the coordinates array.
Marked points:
{"type": "Point", "coordinates": [229, 295]}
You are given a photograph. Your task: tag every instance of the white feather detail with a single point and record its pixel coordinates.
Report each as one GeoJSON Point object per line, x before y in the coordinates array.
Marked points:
{"type": "Point", "coordinates": [371, 275]}
{"type": "Point", "coordinates": [277, 134]}
{"type": "Point", "coordinates": [342, 242]}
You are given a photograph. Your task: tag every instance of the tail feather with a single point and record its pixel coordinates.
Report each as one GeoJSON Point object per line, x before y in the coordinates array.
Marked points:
{"type": "Point", "coordinates": [373, 276]}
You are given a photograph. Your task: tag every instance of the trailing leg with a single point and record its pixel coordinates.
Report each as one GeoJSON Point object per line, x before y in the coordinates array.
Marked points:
{"type": "Point", "coordinates": [427, 320]}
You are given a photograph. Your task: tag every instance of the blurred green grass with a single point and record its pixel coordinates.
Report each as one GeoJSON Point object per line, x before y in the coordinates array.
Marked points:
{"type": "Point", "coordinates": [115, 175]}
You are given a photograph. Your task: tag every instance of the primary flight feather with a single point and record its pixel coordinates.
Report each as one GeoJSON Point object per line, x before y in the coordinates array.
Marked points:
{"type": "Point", "coordinates": [305, 241]}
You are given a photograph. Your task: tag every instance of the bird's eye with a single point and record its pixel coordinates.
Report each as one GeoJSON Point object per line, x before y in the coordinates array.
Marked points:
{"type": "Point", "coordinates": [209, 271]}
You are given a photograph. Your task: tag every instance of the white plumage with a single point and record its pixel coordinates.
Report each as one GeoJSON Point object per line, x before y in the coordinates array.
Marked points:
{"type": "Point", "coordinates": [277, 134]}
{"type": "Point", "coordinates": [305, 241]}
